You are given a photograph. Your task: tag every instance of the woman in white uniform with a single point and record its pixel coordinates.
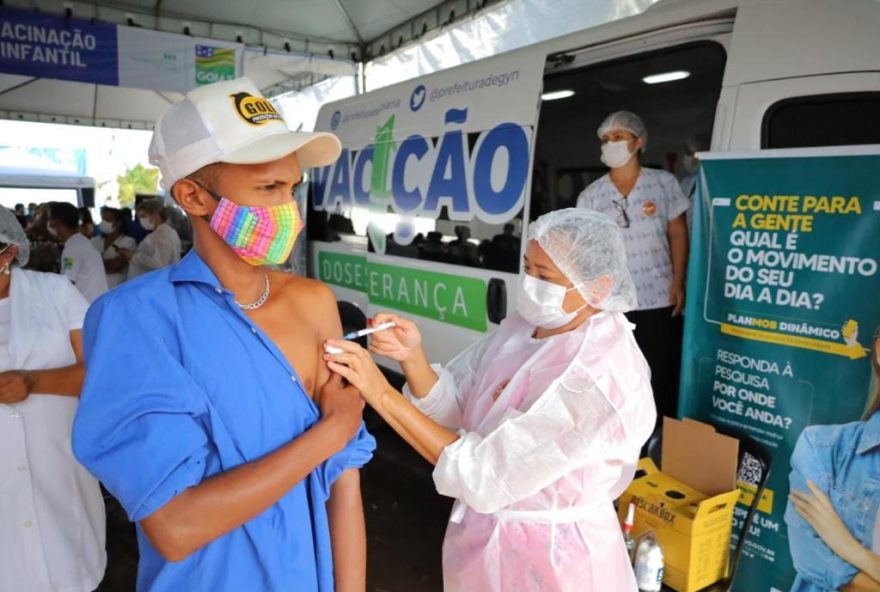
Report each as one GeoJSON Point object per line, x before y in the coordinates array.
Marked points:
{"type": "Point", "coordinates": [114, 237]}
{"type": "Point", "coordinates": [650, 209]}
{"type": "Point", "coordinates": [535, 429]}
{"type": "Point", "coordinates": [160, 248]}
{"type": "Point", "coordinates": [51, 509]}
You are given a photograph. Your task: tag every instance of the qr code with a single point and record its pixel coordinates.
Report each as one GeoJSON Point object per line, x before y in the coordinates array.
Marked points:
{"type": "Point", "coordinates": [750, 470]}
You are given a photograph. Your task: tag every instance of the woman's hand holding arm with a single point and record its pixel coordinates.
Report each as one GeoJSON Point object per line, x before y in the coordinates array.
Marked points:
{"type": "Point", "coordinates": [819, 513]}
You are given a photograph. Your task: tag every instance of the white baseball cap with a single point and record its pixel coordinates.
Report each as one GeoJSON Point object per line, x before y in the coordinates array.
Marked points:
{"type": "Point", "coordinates": [232, 122]}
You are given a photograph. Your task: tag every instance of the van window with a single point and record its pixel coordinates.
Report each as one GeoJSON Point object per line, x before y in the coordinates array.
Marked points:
{"type": "Point", "coordinates": [473, 243]}
{"type": "Point", "coordinates": [567, 149]}
{"type": "Point", "coordinates": [842, 119]}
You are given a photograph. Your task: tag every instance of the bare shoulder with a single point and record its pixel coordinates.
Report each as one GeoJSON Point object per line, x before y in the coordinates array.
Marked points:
{"type": "Point", "coordinates": [305, 291]}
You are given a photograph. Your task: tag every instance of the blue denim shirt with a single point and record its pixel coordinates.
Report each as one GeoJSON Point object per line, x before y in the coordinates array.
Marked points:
{"type": "Point", "coordinates": [844, 462]}
{"type": "Point", "coordinates": [181, 386]}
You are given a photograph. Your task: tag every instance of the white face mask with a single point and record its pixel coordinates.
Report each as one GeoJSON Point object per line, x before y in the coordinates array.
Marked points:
{"type": "Point", "coordinates": [616, 154]}
{"type": "Point", "coordinates": [540, 303]}
{"type": "Point", "coordinates": [146, 223]}
{"type": "Point", "coordinates": [107, 227]}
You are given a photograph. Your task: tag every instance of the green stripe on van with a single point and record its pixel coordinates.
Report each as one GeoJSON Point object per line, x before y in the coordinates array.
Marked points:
{"type": "Point", "coordinates": [444, 297]}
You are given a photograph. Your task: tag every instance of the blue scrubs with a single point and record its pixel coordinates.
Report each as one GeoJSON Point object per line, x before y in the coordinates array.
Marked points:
{"type": "Point", "coordinates": [182, 386]}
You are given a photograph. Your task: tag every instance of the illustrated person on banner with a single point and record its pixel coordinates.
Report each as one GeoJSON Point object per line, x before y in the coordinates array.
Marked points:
{"type": "Point", "coordinates": [207, 409]}
{"type": "Point", "coordinates": [650, 209]}
{"type": "Point", "coordinates": [551, 411]}
{"type": "Point", "coordinates": [833, 514]}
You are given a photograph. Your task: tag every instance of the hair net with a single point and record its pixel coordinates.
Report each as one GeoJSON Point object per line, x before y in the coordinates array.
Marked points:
{"type": "Point", "coordinates": [585, 246]}
{"type": "Point", "coordinates": [12, 233]}
{"type": "Point", "coordinates": [625, 120]}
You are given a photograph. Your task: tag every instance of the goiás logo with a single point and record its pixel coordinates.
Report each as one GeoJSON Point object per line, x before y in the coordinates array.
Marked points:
{"type": "Point", "coordinates": [474, 175]}
{"type": "Point", "coordinates": [254, 110]}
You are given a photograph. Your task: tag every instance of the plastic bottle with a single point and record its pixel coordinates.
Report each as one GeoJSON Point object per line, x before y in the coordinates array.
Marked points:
{"type": "Point", "coordinates": [648, 563]}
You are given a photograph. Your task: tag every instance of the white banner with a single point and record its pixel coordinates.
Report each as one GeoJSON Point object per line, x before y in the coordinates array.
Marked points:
{"type": "Point", "coordinates": [160, 61]}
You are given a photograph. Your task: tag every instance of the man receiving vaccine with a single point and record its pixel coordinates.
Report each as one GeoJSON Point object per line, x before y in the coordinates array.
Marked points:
{"type": "Point", "coordinates": [207, 410]}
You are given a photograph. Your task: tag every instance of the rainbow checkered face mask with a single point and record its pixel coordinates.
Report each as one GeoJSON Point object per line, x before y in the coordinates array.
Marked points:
{"type": "Point", "coordinates": [261, 235]}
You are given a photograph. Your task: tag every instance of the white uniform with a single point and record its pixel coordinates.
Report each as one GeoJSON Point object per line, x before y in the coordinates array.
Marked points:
{"type": "Point", "coordinates": [51, 509]}
{"type": "Point", "coordinates": [655, 199]}
{"type": "Point", "coordinates": [122, 242]}
{"type": "Point", "coordinates": [84, 267]}
{"type": "Point", "coordinates": [159, 249]}
{"type": "Point", "coordinates": [550, 435]}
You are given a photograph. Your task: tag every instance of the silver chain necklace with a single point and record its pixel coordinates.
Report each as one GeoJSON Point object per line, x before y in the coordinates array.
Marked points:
{"type": "Point", "coordinates": [259, 301]}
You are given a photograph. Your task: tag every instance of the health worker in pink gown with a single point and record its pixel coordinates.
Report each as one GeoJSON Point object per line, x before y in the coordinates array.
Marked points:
{"type": "Point", "coordinates": [536, 428]}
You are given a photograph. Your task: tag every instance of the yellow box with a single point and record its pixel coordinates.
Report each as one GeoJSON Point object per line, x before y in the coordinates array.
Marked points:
{"type": "Point", "coordinates": [693, 528]}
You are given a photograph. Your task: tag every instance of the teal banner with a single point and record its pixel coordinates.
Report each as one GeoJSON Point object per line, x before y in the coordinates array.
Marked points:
{"type": "Point", "coordinates": [783, 299]}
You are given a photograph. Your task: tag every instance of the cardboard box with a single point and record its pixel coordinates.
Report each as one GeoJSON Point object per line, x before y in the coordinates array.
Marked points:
{"type": "Point", "coordinates": [689, 505]}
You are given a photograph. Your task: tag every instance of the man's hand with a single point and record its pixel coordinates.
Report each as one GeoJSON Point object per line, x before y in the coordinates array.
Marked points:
{"type": "Point", "coordinates": [676, 297]}
{"type": "Point", "coordinates": [124, 254]}
{"type": "Point", "coordinates": [14, 386]}
{"type": "Point", "coordinates": [341, 404]}
{"type": "Point", "coordinates": [819, 513]}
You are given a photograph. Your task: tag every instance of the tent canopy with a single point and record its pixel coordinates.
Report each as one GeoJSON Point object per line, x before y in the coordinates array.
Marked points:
{"type": "Point", "coordinates": [286, 45]}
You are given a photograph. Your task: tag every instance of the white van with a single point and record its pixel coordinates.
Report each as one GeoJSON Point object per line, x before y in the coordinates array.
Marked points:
{"type": "Point", "coordinates": [425, 212]}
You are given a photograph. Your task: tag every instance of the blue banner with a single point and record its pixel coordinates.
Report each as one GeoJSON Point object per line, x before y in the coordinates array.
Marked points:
{"type": "Point", "coordinates": [46, 46]}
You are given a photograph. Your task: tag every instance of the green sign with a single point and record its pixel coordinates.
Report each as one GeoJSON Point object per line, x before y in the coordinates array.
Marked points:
{"type": "Point", "coordinates": [443, 297]}
{"type": "Point", "coordinates": [782, 301]}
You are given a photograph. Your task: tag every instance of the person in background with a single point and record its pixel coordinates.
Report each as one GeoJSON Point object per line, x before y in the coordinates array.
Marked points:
{"type": "Point", "coordinates": [160, 248]}
{"type": "Point", "coordinates": [537, 427]}
{"type": "Point", "coordinates": [113, 238]}
{"type": "Point", "coordinates": [79, 261]}
{"type": "Point", "coordinates": [45, 252]}
{"type": "Point", "coordinates": [20, 214]}
{"type": "Point", "coordinates": [86, 223]}
{"type": "Point", "coordinates": [51, 510]}
{"type": "Point", "coordinates": [833, 514]}
{"type": "Point", "coordinates": [650, 209]}
{"type": "Point", "coordinates": [31, 211]}
{"type": "Point", "coordinates": [134, 229]}
{"type": "Point", "coordinates": [690, 166]}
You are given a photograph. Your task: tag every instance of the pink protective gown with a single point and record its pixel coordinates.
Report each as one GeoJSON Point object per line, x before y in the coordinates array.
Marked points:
{"type": "Point", "coordinates": [550, 434]}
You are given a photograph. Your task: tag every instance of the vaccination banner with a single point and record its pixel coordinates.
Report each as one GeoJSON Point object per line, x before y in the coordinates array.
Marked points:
{"type": "Point", "coordinates": [782, 304]}
{"type": "Point", "coordinates": [85, 50]}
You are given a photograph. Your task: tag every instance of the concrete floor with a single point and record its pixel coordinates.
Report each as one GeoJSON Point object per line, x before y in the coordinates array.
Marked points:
{"type": "Point", "coordinates": [405, 519]}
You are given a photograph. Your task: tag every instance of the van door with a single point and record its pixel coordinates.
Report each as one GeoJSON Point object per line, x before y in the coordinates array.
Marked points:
{"type": "Point", "coordinates": [828, 110]}
{"type": "Point", "coordinates": [422, 214]}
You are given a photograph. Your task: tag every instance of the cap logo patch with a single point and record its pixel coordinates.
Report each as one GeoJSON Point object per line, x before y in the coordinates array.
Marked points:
{"type": "Point", "coordinates": [254, 110]}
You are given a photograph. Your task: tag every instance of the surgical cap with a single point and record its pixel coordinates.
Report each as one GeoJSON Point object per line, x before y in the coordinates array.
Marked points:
{"type": "Point", "coordinates": [625, 120]}
{"type": "Point", "coordinates": [585, 246]}
{"type": "Point", "coordinates": [12, 233]}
